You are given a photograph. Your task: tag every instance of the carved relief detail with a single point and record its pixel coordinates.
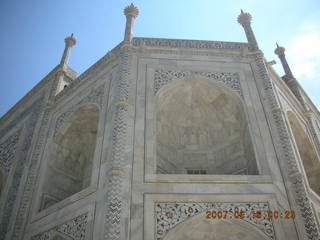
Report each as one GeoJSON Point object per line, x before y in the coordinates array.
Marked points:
{"type": "Point", "coordinates": [189, 44]}
{"type": "Point", "coordinates": [30, 183]}
{"type": "Point", "coordinates": [74, 229]}
{"type": "Point", "coordinates": [163, 77]}
{"type": "Point", "coordinates": [62, 119]}
{"type": "Point", "coordinates": [95, 96]}
{"type": "Point", "coordinates": [169, 215]}
{"type": "Point", "coordinates": [7, 151]}
{"type": "Point", "coordinates": [313, 125]}
{"type": "Point", "coordinates": [30, 116]}
{"type": "Point", "coordinates": [114, 199]}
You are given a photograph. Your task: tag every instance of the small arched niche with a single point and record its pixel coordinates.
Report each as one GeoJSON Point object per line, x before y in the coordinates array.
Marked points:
{"type": "Point", "coordinates": [307, 153]}
{"type": "Point", "coordinates": [70, 158]}
{"type": "Point", "coordinates": [201, 128]}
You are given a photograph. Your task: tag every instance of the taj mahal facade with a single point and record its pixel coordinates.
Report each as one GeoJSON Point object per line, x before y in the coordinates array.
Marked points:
{"type": "Point", "coordinates": [163, 139]}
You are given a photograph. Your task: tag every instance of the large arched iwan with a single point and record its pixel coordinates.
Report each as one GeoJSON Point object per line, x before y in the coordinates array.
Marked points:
{"type": "Point", "coordinates": [201, 128]}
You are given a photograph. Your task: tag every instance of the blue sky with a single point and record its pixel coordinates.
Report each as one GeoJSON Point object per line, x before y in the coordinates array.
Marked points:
{"type": "Point", "coordinates": [32, 33]}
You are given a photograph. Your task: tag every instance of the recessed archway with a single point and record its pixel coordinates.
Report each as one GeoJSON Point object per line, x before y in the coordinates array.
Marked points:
{"type": "Point", "coordinates": [201, 128]}
{"type": "Point", "coordinates": [71, 154]}
{"type": "Point", "coordinates": [307, 153]}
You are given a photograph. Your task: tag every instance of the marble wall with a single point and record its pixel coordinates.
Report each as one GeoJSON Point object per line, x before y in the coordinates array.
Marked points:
{"type": "Point", "coordinates": [141, 117]}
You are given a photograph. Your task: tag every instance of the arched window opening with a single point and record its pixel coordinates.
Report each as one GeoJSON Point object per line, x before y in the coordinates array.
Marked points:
{"type": "Point", "coordinates": [307, 153]}
{"type": "Point", "coordinates": [201, 128]}
{"type": "Point", "coordinates": [71, 155]}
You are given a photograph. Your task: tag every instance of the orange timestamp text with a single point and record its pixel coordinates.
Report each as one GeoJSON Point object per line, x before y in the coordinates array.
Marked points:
{"type": "Point", "coordinates": [239, 214]}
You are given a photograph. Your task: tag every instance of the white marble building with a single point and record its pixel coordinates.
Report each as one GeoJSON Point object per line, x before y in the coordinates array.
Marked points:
{"type": "Point", "coordinates": [163, 139]}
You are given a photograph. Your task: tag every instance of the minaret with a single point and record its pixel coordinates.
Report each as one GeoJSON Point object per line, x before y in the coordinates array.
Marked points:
{"type": "Point", "coordinates": [69, 43]}
{"type": "Point", "coordinates": [131, 12]}
{"type": "Point", "coordinates": [280, 52]}
{"type": "Point", "coordinates": [289, 79]}
{"type": "Point", "coordinates": [245, 20]}
{"type": "Point", "coordinates": [64, 74]}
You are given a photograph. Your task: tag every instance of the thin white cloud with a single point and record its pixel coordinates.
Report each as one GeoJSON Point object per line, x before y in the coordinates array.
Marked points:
{"type": "Point", "coordinates": [304, 52]}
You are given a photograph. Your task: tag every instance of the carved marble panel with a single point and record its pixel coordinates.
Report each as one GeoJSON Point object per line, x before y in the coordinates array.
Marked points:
{"type": "Point", "coordinates": [30, 117]}
{"type": "Point", "coordinates": [229, 79]}
{"type": "Point", "coordinates": [7, 150]}
{"type": "Point", "coordinates": [189, 44]}
{"type": "Point", "coordinates": [169, 214]}
{"type": "Point", "coordinates": [74, 229]}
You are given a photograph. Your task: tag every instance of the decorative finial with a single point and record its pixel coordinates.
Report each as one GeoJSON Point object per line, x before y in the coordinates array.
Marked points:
{"type": "Point", "coordinates": [279, 50]}
{"type": "Point", "coordinates": [244, 18]}
{"type": "Point", "coordinates": [131, 13]}
{"type": "Point", "coordinates": [131, 10]}
{"type": "Point", "coordinates": [70, 41]}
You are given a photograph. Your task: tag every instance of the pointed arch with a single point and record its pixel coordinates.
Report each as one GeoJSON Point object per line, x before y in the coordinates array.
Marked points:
{"type": "Point", "coordinates": [201, 128]}
{"type": "Point", "coordinates": [71, 154]}
{"type": "Point", "coordinates": [306, 152]}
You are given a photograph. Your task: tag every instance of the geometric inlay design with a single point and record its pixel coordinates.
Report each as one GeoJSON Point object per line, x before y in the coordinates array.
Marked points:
{"type": "Point", "coordinates": [74, 229]}
{"type": "Point", "coordinates": [170, 214]}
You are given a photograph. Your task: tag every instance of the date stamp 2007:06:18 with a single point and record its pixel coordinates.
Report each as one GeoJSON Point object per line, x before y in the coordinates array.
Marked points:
{"type": "Point", "coordinates": [272, 214]}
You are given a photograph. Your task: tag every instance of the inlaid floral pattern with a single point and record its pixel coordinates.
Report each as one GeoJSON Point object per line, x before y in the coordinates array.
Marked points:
{"type": "Point", "coordinates": [163, 77]}
{"type": "Point", "coordinates": [170, 214]}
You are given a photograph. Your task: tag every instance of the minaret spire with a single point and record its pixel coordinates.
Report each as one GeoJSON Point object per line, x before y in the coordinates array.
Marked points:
{"type": "Point", "coordinates": [69, 43]}
{"type": "Point", "coordinates": [245, 20]}
{"type": "Point", "coordinates": [280, 52]}
{"type": "Point", "coordinates": [131, 12]}
{"type": "Point", "coordinates": [288, 77]}
{"type": "Point", "coordinates": [63, 77]}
